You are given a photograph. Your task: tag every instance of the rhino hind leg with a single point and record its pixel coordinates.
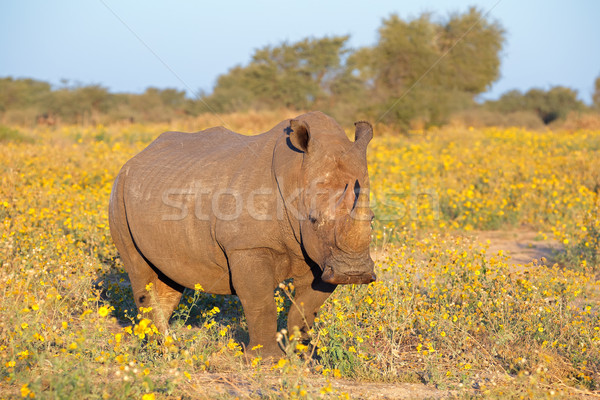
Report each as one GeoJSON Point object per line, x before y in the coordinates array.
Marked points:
{"type": "Point", "coordinates": [162, 296]}
{"type": "Point", "coordinates": [151, 288]}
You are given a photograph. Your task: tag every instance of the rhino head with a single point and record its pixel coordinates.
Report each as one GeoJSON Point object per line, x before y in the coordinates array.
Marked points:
{"type": "Point", "coordinates": [335, 222]}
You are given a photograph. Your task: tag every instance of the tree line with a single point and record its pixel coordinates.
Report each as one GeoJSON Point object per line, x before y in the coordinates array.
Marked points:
{"type": "Point", "coordinates": [26, 100]}
{"type": "Point", "coordinates": [421, 72]}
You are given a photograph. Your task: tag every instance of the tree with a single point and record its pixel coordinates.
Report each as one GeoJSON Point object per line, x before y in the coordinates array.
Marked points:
{"type": "Point", "coordinates": [78, 103]}
{"type": "Point", "coordinates": [421, 69]}
{"type": "Point", "coordinates": [298, 75]}
{"type": "Point", "coordinates": [472, 46]}
{"type": "Point", "coordinates": [554, 104]}
{"type": "Point", "coordinates": [158, 104]}
{"type": "Point", "coordinates": [22, 93]}
{"type": "Point", "coordinates": [549, 105]}
{"type": "Point", "coordinates": [596, 95]}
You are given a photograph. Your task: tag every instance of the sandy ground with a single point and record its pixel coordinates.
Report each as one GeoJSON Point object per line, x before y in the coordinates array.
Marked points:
{"type": "Point", "coordinates": [214, 385]}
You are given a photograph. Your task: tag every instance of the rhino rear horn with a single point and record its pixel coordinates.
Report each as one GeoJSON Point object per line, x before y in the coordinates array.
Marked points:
{"type": "Point", "coordinates": [300, 135]}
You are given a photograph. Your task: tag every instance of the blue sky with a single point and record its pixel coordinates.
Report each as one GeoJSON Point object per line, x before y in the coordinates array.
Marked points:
{"type": "Point", "coordinates": [130, 45]}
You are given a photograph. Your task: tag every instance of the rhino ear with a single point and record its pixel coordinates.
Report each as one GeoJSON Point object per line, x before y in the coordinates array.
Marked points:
{"type": "Point", "coordinates": [364, 132]}
{"type": "Point", "coordinates": [300, 135]}
{"type": "Point", "coordinates": [362, 136]}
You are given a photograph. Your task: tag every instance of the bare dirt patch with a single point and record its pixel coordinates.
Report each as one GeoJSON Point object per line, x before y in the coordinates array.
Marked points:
{"type": "Point", "coordinates": [521, 245]}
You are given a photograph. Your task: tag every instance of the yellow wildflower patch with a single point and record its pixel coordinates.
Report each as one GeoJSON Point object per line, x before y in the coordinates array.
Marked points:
{"type": "Point", "coordinates": [443, 301]}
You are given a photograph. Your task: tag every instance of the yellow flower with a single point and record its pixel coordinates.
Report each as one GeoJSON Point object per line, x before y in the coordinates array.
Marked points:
{"type": "Point", "coordinates": [301, 347]}
{"type": "Point", "coordinates": [232, 345]}
{"type": "Point", "coordinates": [25, 391]}
{"type": "Point", "coordinates": [326, 389]}
{"type": "Point", "coordinates": [169, 340]}
{"type": "Point", "coordinates": [280, 364]}
{"type": "Point", "coordinates": [103, 311]}
{"type": "Point", "coordinates": [143, 328]}
{"type": "Point", "coordinates": [148, 396]}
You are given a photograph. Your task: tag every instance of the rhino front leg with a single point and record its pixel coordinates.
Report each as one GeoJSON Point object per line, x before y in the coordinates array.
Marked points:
{"type": "Point", "coordinates": [253, 281]}
{"type": "Point", "coordinates": [310, 295]}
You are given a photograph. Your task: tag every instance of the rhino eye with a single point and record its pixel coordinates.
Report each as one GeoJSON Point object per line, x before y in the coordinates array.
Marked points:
{"type": "Point", "coordinates": [312, 218]}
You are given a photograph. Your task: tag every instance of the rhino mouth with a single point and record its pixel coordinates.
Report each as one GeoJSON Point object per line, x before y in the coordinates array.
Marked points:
{"type": "Point", "coordinates": [350, 277]}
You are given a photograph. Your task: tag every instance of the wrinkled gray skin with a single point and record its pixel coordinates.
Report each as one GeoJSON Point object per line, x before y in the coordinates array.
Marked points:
{"type": "Point", "coordinates": [240, 214]}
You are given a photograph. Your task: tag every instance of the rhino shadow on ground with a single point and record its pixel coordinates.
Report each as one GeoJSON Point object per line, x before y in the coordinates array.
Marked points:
{"type": "Point", "coordinates": [115, 289]}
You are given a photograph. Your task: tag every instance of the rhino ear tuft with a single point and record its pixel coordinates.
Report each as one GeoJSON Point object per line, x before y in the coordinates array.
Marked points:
{"type": "Point", "coordinates": [300, 135]}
